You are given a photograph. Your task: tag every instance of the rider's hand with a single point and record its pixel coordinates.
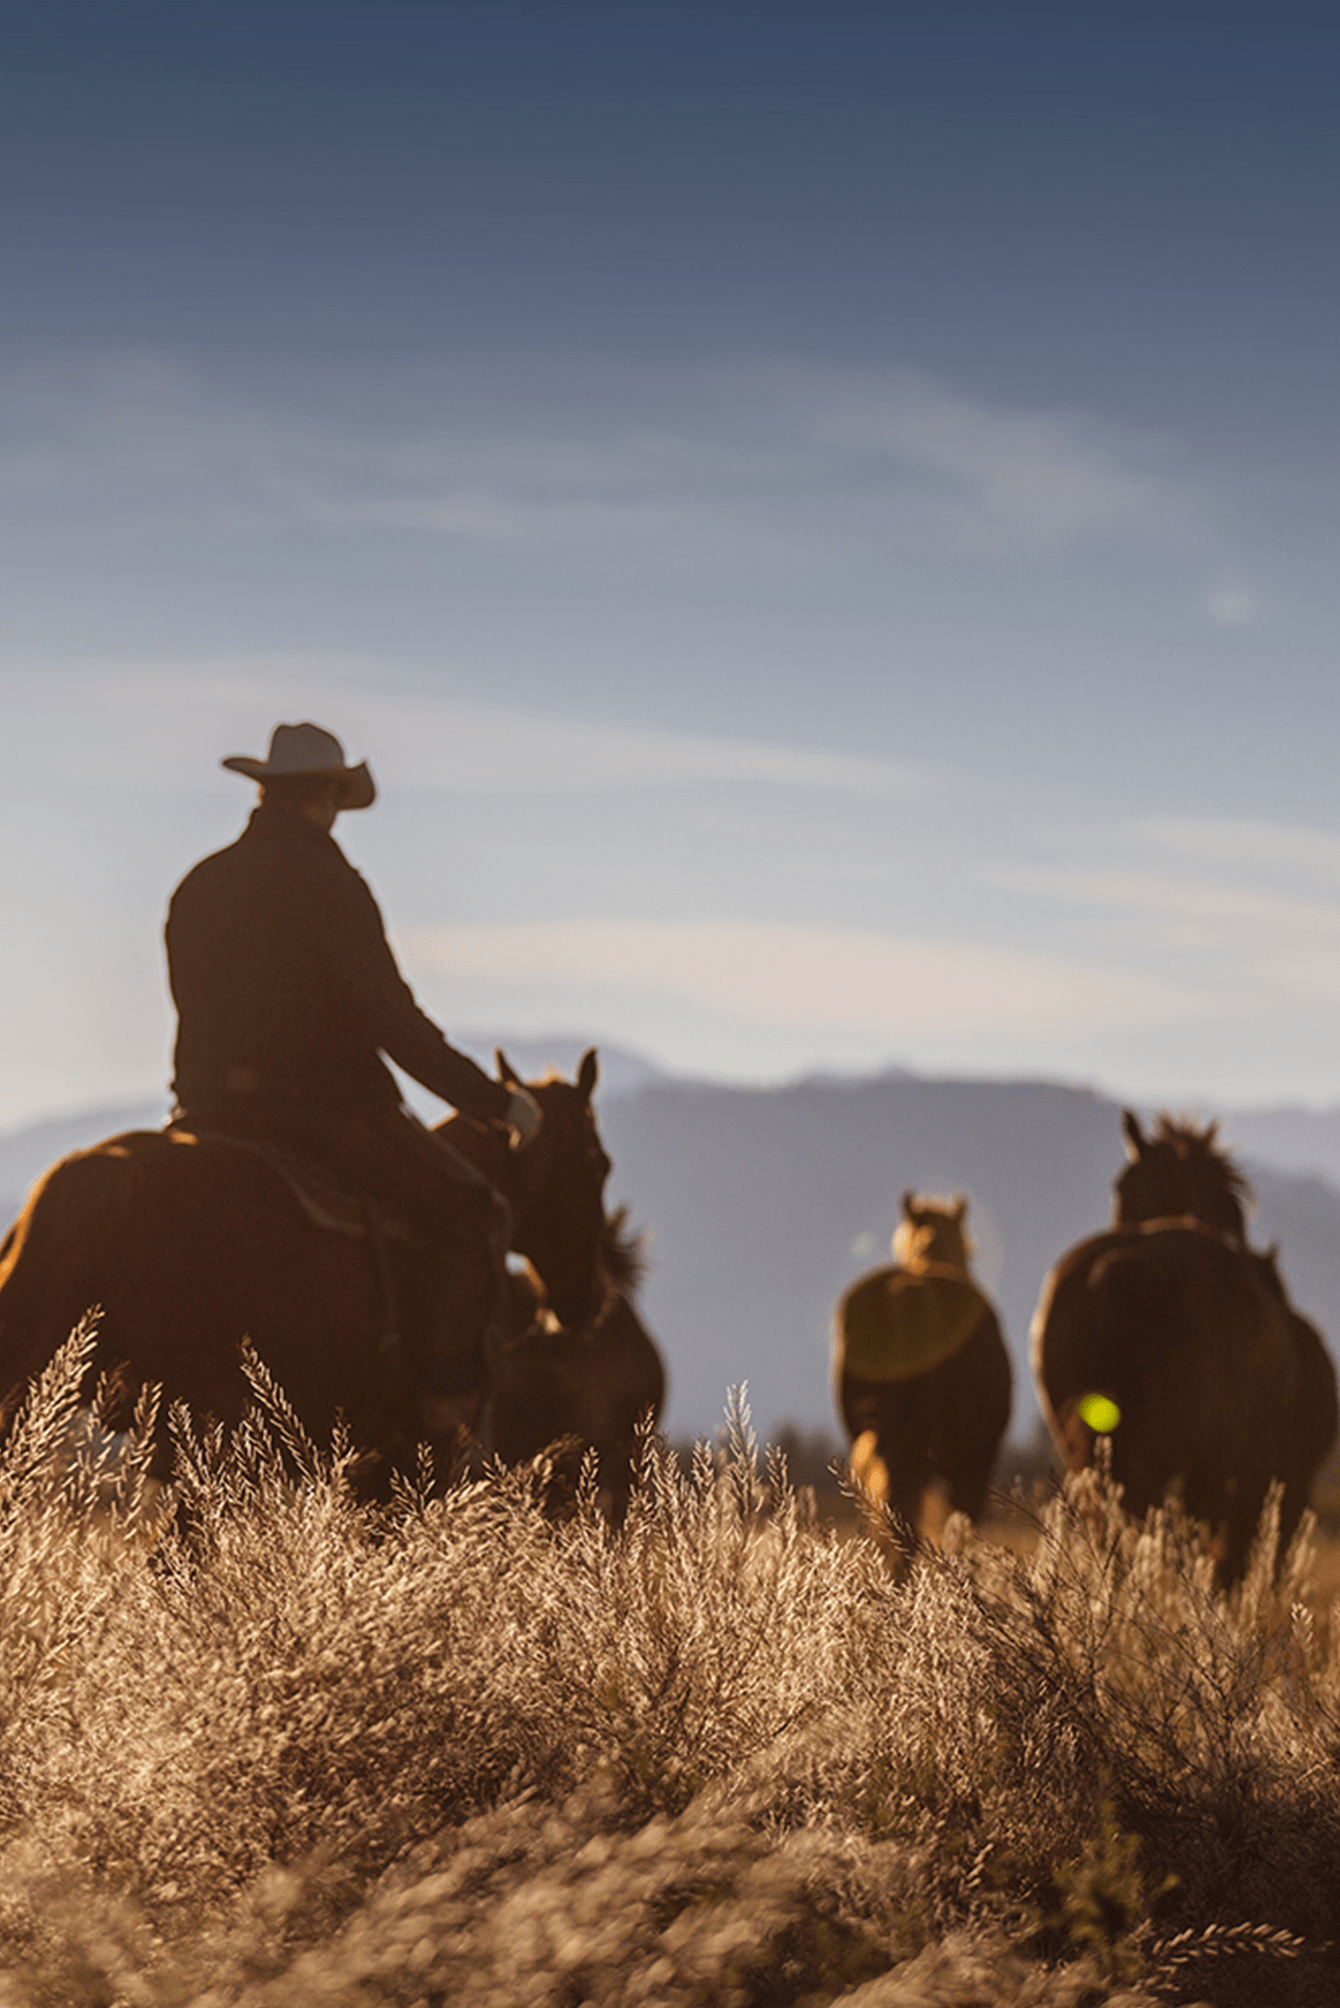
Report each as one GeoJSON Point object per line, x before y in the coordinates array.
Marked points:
{"type": "Point", "coordinates": [523, 1117]}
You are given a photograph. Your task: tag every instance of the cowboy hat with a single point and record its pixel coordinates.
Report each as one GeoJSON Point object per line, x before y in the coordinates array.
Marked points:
{"type": "Point", "coordinates": [309, 750]}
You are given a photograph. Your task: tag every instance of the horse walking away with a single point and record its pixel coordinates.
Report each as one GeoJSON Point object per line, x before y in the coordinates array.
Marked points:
{"type": "Point", "coordinates": [1174, 1339]}
{"type": "Point", "coordinates": [559, 1391]}
{"type": "Point", "coordinates": [191, 1245]}
{"type": "Point", "coordinates": [922, 1373]}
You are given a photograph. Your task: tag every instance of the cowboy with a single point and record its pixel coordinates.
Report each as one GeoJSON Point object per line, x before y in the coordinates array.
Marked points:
{"type": "Point", "coordinates": [288, 996]}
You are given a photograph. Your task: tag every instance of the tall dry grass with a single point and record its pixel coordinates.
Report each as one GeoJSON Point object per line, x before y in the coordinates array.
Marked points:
{"type": "Point", "coordinates": [287, 1748]}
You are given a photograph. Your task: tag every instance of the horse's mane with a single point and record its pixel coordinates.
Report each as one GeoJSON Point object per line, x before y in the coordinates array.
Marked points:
{"type": "Point", "coordinates": [623, 1251]}
{"type": "Point", "coordinates": [1202, 1147]}
{"type": "Point", "coordinates": [1183, 1168]}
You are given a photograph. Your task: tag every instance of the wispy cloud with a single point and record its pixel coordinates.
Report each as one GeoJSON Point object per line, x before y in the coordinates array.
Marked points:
{"type": "Point", "coordinates": [757, 461]}
{"type": "Point", "coordinates": [418, 742]}
{"type": "Point", "coordinates": [1040, 478]}
{"type": "Point", "coordinates": [1287, 851]}
{"type": "Point", "coordinates": [805, 976]}
{"type": "Point", "coordinates": [1263, 894]}
{"type": "Point", "coordinates": [1179, 909]}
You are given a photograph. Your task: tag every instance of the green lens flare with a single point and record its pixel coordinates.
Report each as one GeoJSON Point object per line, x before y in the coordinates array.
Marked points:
{"type": "Point", "coordinates": [1100, 1412]}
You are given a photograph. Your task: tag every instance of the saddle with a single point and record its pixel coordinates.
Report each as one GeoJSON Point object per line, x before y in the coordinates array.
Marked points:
{"type": "Point", "coordinates": [326, 1203]}
{"type": "Point", "coordinates": [335, 1210]}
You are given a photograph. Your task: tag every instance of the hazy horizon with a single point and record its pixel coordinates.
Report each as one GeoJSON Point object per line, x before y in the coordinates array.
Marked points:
{"type": "Point", "coordinates": [628, 1076]}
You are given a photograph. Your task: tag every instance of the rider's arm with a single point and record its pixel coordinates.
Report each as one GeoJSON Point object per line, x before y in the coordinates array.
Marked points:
{"type": "Point", "coordinates": [367, 974]}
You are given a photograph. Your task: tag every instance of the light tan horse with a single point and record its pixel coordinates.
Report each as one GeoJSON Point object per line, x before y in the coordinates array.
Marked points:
{"type": "Point", "coordinates": [922, 1374]}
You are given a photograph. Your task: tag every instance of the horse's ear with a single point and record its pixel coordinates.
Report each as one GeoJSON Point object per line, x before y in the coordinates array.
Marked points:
{"type": "Point", "coordinates": [588, 1073]}
{"type": "Point", "coordinates": [960, 1207]}
{"type": "Point", "coordinates": [1134, 1135]}
{"type": "Point", "coordinates": [507, 1073]}
{"type": "Point", "coordinates": [909, 1203]}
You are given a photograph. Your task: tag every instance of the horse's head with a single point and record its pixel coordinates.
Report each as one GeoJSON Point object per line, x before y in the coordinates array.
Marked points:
{"type": "Point", "coordinates": [1179, 1172]}
{"type": "Point", "coordinates": [932, 1231]}
{"type": "Point", "coordinates": [557, 1193]}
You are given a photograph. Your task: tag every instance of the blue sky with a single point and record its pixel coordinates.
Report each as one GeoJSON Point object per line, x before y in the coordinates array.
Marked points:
{"type": "Point", "coordinates": [822, 519]}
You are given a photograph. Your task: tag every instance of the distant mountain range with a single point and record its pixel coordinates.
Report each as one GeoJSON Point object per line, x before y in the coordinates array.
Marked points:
{"type": "Point", "coordinates": [762, 1204]}
{"type": "Point", "coordinates": [26, 1152]}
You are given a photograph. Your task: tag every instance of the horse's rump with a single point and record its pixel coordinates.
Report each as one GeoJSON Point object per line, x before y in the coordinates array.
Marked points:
{"type": "Point", "coordinates": [896, 1323]}
{"type": "Point", "coordinates": [189, 1247]}
{"type": "Point", "coordinates": [1166, 1311]}
{"type": "Point", "coordinates": [1175, 1340]}
{"type": "Point", "coordinates": [1172, 1324]}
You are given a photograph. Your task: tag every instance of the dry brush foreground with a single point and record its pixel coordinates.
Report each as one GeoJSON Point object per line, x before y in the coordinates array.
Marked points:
{"type": "Point", "coordinates": [295, 1750]}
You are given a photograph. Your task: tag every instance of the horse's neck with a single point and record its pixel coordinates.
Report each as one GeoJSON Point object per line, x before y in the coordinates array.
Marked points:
{"type": "Point", "coordinates": [483, 1146]}
{"type": "Point", "coordinates": [925, 1262]}
{"type": "Point", "coordinates": [1233, 1232]}
{"type": "Point", "coordinates": [1202, 1193]}
{"type": "Point", "coordinates": [925, 1248]}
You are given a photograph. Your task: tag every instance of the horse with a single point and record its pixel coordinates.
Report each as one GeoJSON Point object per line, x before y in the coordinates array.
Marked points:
{"type": "Point", "coordinates": [555, 1186]}
{"type": "Point", "coordinates": [191, 1245]}
{"type": "Point", "coordinates": [922, 1373]}
{"type": "Point", "coordinates": [593, 1386]}
{"type": "Point", "coordinates": [1172, 1338]}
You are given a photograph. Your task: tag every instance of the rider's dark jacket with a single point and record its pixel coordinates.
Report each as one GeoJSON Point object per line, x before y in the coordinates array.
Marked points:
{"type": "Point", "coordinates": [286, 988]}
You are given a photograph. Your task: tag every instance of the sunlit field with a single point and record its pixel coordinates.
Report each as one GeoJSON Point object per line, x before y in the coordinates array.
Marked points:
{"type": "Point", "coordinates": [282, 1747]}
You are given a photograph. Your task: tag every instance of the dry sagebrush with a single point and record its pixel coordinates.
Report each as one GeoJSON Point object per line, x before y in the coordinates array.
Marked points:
{"type": "Point", "coordinates": [288, 1748]}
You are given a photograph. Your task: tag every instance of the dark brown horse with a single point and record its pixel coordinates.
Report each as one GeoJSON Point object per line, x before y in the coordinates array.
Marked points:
{"type": "Point", "coordinates": [556, 1187]}
{"type": "Point", "coordinates": [189, 1245]}
{"type": "Point", "coordinates": [923, 1375]}
{"type": "Point", "coordinates": [1172, 1337]}
{"type": "Point", "coordinates": [591, 1386]}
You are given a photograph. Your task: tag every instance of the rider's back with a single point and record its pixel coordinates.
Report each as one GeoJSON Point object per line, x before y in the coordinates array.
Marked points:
{"type": "Point", "coordinates": [286, 988]}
